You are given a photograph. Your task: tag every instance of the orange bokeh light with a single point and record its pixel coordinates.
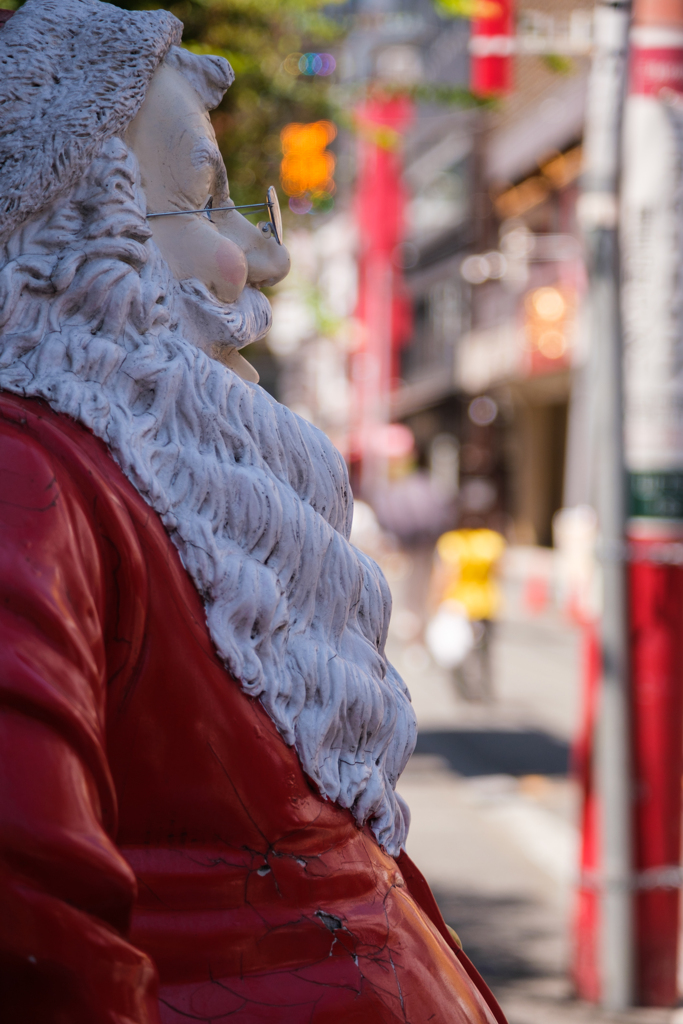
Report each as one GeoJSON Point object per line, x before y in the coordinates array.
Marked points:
{"type": "Point", "coordinates": [549, 317]}
{"type": "Point", "coordinates": [306, 166]}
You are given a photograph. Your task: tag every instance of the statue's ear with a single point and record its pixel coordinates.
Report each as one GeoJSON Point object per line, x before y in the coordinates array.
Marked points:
{"type": "Point", "coordinates": [209, 76]}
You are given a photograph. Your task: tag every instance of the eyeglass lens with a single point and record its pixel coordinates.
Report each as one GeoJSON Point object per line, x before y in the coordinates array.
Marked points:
{"type": "Point", "coordinates": [274, 212]}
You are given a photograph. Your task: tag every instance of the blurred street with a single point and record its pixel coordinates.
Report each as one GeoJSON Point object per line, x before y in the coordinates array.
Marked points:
{"type": "Point", "coordinates": [493, 809]}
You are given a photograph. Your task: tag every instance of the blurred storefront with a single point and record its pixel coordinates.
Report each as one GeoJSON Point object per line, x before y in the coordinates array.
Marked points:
{"type": "Point", "coordinates": [493, 262]}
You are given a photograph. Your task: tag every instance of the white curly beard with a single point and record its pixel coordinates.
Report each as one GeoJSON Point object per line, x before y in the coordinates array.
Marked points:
{"type": "Point", "coordinates": [237, 323]}
{"type": "Point", "coordinates": [255, 499]}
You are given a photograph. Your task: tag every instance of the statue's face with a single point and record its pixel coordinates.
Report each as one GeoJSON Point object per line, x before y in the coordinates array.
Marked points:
{"type": "Point", "coordinates": [181, 168]}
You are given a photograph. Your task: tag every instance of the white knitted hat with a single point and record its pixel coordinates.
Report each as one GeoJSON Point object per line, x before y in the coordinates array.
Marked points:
{"type": "Point", "coordinates": [72, 74]}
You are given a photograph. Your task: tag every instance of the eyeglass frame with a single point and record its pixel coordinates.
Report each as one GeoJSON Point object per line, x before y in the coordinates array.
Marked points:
{"type": "Point", "coordinates": [271, 204]}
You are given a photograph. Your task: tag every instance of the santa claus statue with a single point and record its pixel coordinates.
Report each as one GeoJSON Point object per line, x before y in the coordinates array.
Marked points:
{"type": "Point", "coordinates": [200, 735]}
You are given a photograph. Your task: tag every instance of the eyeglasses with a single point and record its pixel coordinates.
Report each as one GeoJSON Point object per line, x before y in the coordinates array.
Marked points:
{"type": "Point", "coordinates": [272, 203]}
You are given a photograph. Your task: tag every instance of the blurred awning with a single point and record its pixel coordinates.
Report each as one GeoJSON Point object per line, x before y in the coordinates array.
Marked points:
{"type": "Point", "coordinates": [514, 151]}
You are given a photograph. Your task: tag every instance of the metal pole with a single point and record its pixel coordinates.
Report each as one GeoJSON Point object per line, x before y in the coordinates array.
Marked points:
{"type": "Point", "coordinates": [598, 212]}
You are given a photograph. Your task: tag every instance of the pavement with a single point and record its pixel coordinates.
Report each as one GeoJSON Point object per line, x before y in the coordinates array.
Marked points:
{"type": "Point", "coordinates": [494, 811]}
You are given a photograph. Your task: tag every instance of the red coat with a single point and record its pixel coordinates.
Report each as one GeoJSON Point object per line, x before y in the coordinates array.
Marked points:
{"type": "Point", "coordinates": [152, 819]}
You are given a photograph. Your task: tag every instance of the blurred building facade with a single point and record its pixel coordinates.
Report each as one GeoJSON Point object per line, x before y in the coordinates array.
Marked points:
{"type": "Point", "coordinates": [495, 270]}
{"type": "Point", "coordinates": [490, 259]}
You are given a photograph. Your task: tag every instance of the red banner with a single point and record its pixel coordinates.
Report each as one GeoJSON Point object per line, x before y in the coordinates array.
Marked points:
{"type": "Point", "coordinates": [491, 48]}
{"type": "Point", "coordinates": [654, 69]}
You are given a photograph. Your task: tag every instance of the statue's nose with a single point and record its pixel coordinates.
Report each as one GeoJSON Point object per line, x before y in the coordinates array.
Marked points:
{"type": "Point", "coordinates": [267, 260]}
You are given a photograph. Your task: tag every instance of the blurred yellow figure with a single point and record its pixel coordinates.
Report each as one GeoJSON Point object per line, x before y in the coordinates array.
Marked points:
{"type": "Point", "coordinates": [469, 558]}
{"type": "Point", "coordinates": [467, 587]}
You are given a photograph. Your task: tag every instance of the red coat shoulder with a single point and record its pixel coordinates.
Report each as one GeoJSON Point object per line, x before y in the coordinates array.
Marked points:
{"type": "Point", "coordinates": [66, 893]}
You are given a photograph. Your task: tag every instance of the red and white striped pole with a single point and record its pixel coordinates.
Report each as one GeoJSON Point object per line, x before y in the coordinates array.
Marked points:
{"type": "Point", "coordinates": [652, 253]}
{"type": "Point", "coordinates": [492, 44]}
